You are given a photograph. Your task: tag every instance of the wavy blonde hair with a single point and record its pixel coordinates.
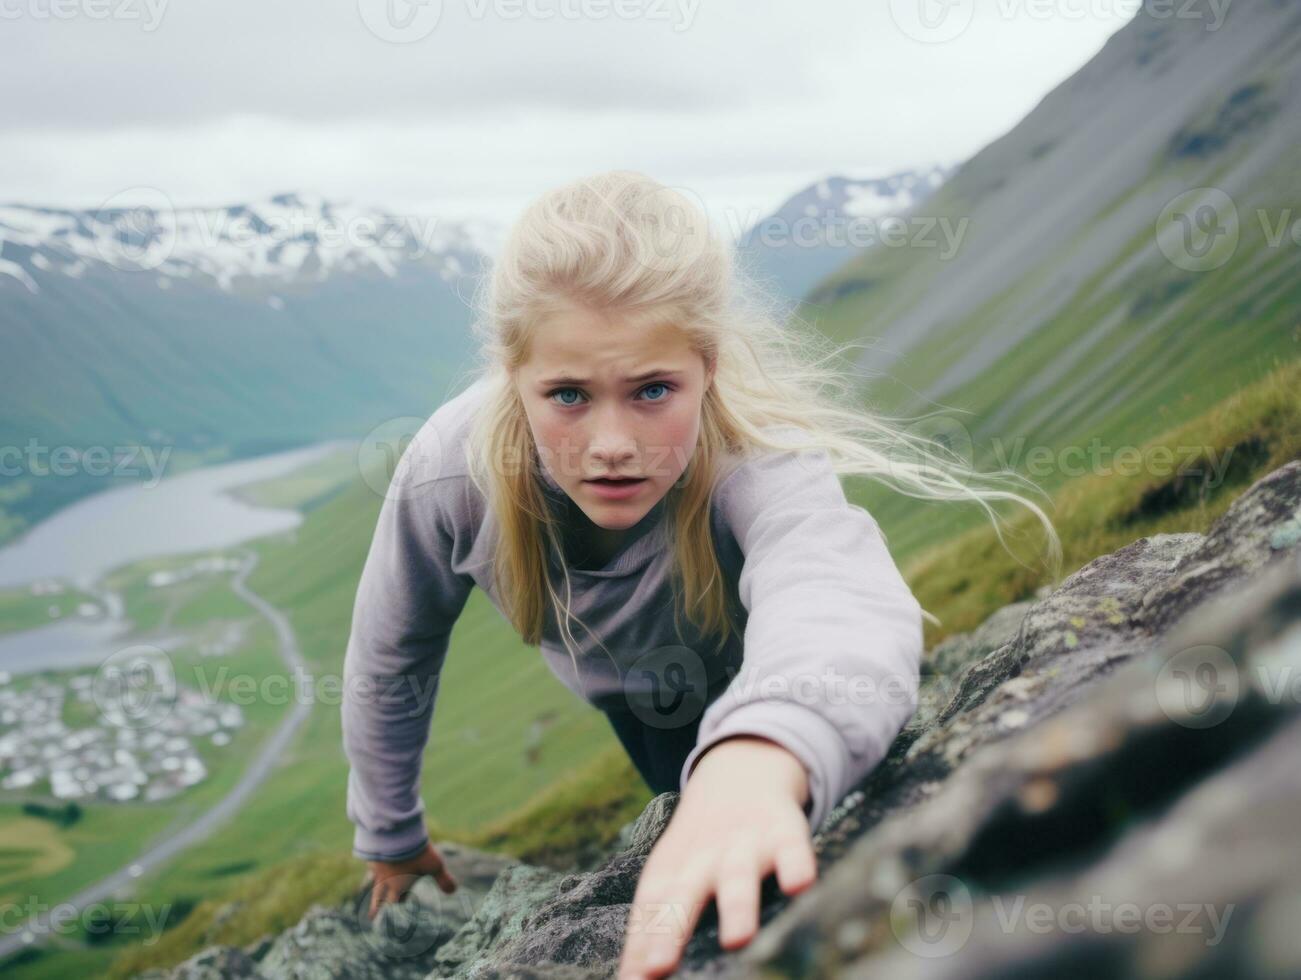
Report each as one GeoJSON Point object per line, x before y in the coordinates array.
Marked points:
{"type": "Point", "coordinates": [623, 243]}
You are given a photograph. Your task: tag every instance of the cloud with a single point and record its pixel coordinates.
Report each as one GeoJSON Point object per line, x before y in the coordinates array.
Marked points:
{"type": "Point", "coordinates": [222, 102]}
{"type": "Point", "coordinates": [307, 60]}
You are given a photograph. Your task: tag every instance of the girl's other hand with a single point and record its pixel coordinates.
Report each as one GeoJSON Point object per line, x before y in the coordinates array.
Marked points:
{"type": "Point", "coordinates": [393, 879]}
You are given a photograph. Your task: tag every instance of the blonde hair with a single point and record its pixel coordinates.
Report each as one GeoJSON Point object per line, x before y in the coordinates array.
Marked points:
{"type": "Point", "coordinates": [621, 242]}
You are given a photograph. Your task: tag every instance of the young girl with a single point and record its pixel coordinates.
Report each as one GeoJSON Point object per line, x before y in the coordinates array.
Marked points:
{"type": "Point", "coordinates": [643, 478]}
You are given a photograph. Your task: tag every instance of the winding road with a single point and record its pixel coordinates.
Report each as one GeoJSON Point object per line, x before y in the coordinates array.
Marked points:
{"type": "Point", "coordinates": [38, 928]}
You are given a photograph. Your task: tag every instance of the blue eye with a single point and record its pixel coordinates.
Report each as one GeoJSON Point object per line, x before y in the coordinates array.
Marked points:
{"type": "Point", "coordinates": [655, 384]}
{"type": "Point", "coordinates": [559, 390]}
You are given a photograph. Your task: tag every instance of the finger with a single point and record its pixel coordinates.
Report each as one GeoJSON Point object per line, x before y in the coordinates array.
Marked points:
{"type": "Point", "coordinates": [796, 864]}
{"type": "Point", "coordinates": [368, 885]}
{"type": "Point", "coordinates": [387, 892]}
{"type": "Point", "coordinates": [664, 914]}
{"type": "Point", "coordinates": [432, 864]}
{"type": "Point", "coordinates": [444, 879]}
{"type": "Point", "coordinates": [739, 876]}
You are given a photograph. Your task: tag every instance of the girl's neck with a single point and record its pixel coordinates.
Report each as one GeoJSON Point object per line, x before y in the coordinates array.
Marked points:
{"type": "Point", "coordinates": [588, 545]}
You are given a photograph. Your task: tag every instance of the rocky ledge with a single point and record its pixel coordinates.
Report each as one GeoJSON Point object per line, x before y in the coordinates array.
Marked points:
{"type": "Point", "coordinates": [1101, 781]}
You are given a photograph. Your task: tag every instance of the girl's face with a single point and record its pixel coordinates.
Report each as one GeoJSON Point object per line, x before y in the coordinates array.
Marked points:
{"type": "Point", "coordinates": [607, 399]}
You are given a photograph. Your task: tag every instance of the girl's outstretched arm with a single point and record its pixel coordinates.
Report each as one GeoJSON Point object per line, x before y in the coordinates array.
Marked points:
{"type": "Point", "coordinates": [833, 639]}
{"type": "Point", "coordinates": [829, 675]}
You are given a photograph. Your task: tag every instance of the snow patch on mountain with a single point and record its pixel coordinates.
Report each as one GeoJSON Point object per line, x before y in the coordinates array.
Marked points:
{"type": "Point", "coordinates": [284, 239]}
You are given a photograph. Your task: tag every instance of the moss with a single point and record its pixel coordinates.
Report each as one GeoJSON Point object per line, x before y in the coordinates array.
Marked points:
{"type": "Point", "coordinates": [1099, 513]}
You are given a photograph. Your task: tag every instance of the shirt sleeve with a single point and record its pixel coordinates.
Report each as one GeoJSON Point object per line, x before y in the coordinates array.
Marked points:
{"type": "Point", "coordinates": [833, 640]}
{"type": "Point", "coordinates": [408, 599]}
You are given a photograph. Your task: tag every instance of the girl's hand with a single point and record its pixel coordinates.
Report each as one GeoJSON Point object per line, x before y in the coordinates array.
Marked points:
{"type": "Point", "coordinates": [393, 879]}
{"type": "Point", "coordinates": [740, 817]}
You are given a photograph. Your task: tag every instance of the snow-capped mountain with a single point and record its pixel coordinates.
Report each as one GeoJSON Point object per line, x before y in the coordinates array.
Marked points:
{"type": "Point", "coordinates": [285, 239]}
{"type": "Point", "coordinates": [829, 223]}
{"type": "Point", "coordinates": [837, 198]}
{"type": "Point", "coordinates": [222, 331]}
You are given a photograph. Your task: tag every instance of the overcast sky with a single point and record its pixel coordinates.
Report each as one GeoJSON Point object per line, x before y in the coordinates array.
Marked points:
{"type": "Point", "coordinates": [471, 107]}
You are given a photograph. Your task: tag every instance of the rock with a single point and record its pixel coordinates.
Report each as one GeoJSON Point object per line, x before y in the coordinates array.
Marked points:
{"type": "Point", "coordinates": [342, 943]}
{"type": "Point", "coordinates": [1110, 787]}
{"type": "Point", "coordinates": [625, 835]}
{"type": "Point", "coordinates": [1258, 526]}
{"type": "Point", "coordinates": [1122, 745]}
{"type": "Point", "coordinates": [1079, 630]}
{"type": "Point", "coordinates": [1125, 799]}
{"type": "Point", "coordinates": [500, 917]}
{"type": "Point", "coordinates": [647, 828]}
{"type": "Point", "coordinates": [538, 920]}
{"type": "Point", "coordinates": [259, 948]}
{"type": "Point", "coordinates": [214, 963]}
{"type": "Point", "coordinates": [953, 654]}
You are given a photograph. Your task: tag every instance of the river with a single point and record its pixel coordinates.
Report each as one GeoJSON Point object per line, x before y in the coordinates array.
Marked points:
{"type": "Point", "coordinates": [189, 512]}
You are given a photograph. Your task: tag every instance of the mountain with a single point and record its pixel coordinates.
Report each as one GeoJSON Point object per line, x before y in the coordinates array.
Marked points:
{"type": "Point", "coordinates": [287, 239]}
{"type": "Point", "coordinates": [816, 229]}
{"type": "Point", "coordinates": [1125, 256]}
{"type": "Point", "coordinates": [222, 331]}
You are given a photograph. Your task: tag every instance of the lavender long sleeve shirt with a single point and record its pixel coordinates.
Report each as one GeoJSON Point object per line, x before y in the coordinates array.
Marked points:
{"type": "Point", "coordinates": [827, 664]}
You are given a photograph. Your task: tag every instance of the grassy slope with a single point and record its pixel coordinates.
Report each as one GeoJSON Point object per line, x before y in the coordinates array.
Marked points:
{"type": "Point", "coordinates": [20, 610]}
{"type": "Point", "coordinates": [1256, 430]}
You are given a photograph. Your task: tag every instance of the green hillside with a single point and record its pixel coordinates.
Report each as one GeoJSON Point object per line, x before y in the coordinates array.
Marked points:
{"type": "Point", "coordinates": [1072, 313]}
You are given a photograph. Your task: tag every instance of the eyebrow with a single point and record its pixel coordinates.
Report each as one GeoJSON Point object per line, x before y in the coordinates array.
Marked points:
{"type": "Point", "coordinates": [645, 376]}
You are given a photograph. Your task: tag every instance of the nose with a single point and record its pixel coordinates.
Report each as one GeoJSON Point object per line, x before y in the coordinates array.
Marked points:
{"type": "Point", "coordinates": [612, 442]}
